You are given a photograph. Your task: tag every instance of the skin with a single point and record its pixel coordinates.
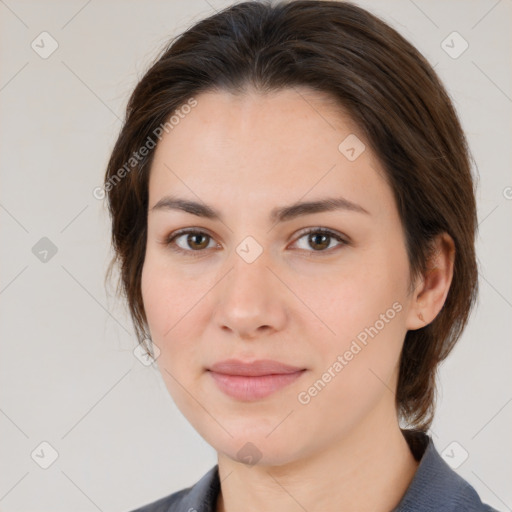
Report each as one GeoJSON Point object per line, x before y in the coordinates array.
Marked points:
{"type": "Point", "coordinates": [296, 303]}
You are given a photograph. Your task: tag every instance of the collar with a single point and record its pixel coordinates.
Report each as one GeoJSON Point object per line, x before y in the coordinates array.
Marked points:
{"type": "Point", "coordinates": [435, 485]}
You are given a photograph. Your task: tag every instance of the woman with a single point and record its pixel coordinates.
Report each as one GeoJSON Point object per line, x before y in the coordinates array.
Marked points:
{"type": "Point", "coordinates": [294, 218]}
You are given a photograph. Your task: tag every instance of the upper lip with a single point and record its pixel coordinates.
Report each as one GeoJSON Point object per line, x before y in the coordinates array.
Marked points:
{"type": "Point", "coordinates": [254, 368]}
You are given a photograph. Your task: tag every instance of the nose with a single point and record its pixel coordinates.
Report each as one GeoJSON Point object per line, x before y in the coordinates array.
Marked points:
{"type": "Point", "coordinates": [251, 301]}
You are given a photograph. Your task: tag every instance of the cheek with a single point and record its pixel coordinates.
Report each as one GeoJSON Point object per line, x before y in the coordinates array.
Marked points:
{"type": "Point", "coordinates": [174, 313]}
{"type": "Point", "coordinates": [167, 302]}
{"type": "Point", "coordinates": [357, 368]}
{"type": "Point", "coordinates": [158, 299]}
{"type": "Point", "coordinates": [163, 296]}
{"type": "Point", "coordinates": [367, 295]}
{"type": "Point", "coordinates": [366, 310]}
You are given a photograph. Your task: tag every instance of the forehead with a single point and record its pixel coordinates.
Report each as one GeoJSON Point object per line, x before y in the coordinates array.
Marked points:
{"type": "Point", "coordinates": [249, 117]}
{"type": "Point", "coordinates": [284, 143]}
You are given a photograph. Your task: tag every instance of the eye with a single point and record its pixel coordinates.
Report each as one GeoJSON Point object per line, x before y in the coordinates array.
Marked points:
{"type": "Point", "coordinates": [320, 239]}
{"type": "Point", "coordinates": [192, 241]}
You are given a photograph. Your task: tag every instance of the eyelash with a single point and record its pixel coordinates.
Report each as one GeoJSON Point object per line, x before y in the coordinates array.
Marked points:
{"type": "Point", "coordinates": [169, 241]}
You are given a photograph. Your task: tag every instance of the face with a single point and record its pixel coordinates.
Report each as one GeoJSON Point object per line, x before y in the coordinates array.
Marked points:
{"type": "Point", "coordinates": [322, 291]}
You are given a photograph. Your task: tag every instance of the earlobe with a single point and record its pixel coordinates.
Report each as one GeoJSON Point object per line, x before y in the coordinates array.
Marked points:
{"type": "Point", "coordinates": [416, 319]}
{"type": "Point", "coordinates": [433, 287]}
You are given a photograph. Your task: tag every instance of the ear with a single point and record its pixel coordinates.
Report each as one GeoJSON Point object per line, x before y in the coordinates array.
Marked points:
{"type": "Point", "coordinates": [432, 288]}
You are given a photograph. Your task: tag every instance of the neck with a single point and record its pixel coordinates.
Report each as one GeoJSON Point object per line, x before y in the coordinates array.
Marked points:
{"type": "Point", "coordinates": [367, 470]}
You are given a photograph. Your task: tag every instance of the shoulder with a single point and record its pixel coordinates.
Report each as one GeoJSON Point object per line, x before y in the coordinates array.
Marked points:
{"type": "Point", "coordinates": [200, 497]}
{"type": "Point", "coordinates": [469, 500]}
{"type": "Point", "coordinates": [436, 486]}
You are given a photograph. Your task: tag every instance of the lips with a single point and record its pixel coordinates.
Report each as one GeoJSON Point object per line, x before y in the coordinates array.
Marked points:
{"type": "Point", "coordinates": [253, 369]}
{"type": "Point", "coordinates": [255, 380]}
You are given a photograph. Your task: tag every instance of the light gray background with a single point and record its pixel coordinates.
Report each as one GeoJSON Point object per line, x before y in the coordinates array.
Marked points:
{"type": "Point", "coordinates": [68, 375]}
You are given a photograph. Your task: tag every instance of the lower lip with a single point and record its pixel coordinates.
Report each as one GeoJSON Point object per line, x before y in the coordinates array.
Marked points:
{"type": "Point", "coordinates": [253, 388]}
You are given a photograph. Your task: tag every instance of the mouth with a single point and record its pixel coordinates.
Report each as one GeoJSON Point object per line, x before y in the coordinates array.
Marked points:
{"type": "Point", "coordinates": [255, 380]}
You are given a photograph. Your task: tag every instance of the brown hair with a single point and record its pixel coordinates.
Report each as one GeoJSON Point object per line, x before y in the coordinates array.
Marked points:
{"type": "Point", "coordinates": [388, 89]}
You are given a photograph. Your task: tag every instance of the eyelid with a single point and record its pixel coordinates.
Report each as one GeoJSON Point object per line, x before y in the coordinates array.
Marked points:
{"type": "Point", "coordinates": [328, 231]}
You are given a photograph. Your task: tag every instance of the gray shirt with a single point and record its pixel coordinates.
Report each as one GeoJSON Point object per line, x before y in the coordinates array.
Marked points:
{"type": "Point", "coordinates": [435, 487]}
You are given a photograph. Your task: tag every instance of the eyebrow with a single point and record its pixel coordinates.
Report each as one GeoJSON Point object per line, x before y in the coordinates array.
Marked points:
{"type": "Point", "coordinates": [279, 214]}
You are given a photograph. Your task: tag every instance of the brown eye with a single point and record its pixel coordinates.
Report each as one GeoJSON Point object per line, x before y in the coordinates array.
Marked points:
{"type": "Point", "coordinates": [194, 242]}
{"type": "Point", "coordinates": [197, 240]}
{"type": "Point", "coordinates": [320, 240]}
{"type": "Point", "coordinates": [189, 241]}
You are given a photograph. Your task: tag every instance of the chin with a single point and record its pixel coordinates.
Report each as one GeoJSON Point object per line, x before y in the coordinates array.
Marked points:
{"type": "Point", "coordinates": [253, 446]}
